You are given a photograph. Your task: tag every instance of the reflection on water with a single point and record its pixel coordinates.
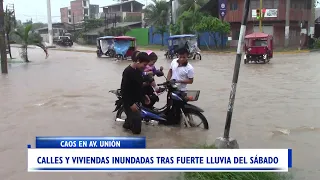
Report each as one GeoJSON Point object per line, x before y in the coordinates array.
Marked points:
{"type": "Point", "coordinates": [277, 106]}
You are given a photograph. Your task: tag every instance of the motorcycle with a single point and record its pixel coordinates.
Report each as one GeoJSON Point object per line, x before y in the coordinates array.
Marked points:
{"type": "Point", "coordinates": [176, 110]}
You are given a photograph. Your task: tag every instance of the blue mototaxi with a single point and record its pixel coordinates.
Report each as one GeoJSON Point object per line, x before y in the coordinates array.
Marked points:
{"type": "Point", "coordinates": [124, 46]}
{"type": "Point", "coordinates": [105, 46]}
{"type": "Point", "coordinates": [188, 41]}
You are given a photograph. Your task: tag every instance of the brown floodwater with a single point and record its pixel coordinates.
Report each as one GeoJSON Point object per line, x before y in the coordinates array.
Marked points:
{"type": "Point", "coordinates": [277, 106]}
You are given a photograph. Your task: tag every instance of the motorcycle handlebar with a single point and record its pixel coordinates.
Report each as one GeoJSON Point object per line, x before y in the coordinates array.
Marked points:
{"type": "Point", "coordinates": [167, 83]}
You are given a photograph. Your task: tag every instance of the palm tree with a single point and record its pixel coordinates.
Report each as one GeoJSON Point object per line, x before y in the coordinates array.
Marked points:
{"type": "Point", "coordinates": [190, 5]}
{"type": "Point", "coordinates": [28, 39]}
{"type": "Point", "coordinates": [157, 14]}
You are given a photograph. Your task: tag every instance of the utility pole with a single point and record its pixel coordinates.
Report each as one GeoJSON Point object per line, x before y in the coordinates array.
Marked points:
{"type": "Point", "coordinates": [312, 18]}
{"type": "Point", "coordinates": [50, 33]}
{"type": "Point", "coordinates": [287, 26]}
{"type": "Point", "coordinates": [74, 25]}
{"type": "Point", "coordinates": [4, 63]}
{"type": "Point", "coordinates": [10, 13]}
{"type": "Point", "coordinates": [260, 21]}
{"type": "Point", "coordinates": [226, 142]}
{"type": "Point", "coordinates": [105, 22]}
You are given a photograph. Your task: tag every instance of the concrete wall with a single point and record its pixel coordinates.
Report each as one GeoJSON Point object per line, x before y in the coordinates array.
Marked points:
{"type": "Point", "coordinates": [77, 11]}
{"type": "Point", "coordinates": [141, 34]}
{"type": "Point", "coordinates": [64, 14]}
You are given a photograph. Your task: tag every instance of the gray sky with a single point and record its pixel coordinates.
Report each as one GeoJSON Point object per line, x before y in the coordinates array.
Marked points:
{"type": "Point", "coordinates": [37, 9]}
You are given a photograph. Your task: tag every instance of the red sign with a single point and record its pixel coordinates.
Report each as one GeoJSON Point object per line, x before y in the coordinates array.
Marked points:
{"type": "Point", "coordinates": [264, 10]}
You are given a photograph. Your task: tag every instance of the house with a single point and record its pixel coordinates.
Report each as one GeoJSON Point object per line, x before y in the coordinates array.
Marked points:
{"type": "Point", "coordinates": [128, 11]}
{"type": "Point", "coordinates": [78, 11]}
{"type": "Point", "coordinates": [274, 21]}
{"type": "Point", "coordinates": [59, 29]}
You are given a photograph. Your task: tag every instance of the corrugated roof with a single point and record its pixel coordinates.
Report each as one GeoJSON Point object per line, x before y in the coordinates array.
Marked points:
{"type": "Point", "coordinates": [95, 32]}
{"type": "Point", "coordinates": [117, 4]}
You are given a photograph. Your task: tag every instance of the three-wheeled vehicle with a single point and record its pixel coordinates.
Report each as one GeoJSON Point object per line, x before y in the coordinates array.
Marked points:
{"type": "Point", "coordinates": [258, 47]}
{"type": "Point", "coordinates": [188, 41]}
{"type": "Point", "coordinates": [124, 46]}
{"type": "Point", "coordinates": [105, 46]}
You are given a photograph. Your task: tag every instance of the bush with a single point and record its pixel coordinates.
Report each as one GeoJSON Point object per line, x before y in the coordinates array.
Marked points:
{"type": "Point", "coordinates": [317, 43]}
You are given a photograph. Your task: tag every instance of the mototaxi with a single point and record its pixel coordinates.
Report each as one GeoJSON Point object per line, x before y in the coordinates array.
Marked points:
{"type": "Point", "coordinates": [124, 46]}
{"type": "Point", "coordinates": [188, 41]}
{"type": "Point", "coordinates": [105, 46]}
{"type": "Point", "coordinates": [258, 47]}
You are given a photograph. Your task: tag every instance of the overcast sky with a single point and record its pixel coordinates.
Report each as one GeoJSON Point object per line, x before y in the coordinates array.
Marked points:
{"type": "Point", "coordinates": [37, 9]}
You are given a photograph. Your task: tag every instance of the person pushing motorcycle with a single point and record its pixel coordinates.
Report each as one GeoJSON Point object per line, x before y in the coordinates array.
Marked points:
{"type": "Point", "coordinates": [131, 91]}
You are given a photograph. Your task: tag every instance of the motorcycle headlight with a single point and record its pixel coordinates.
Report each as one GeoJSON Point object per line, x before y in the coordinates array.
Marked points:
{"type": "Point", "coordinates": [174, 86]}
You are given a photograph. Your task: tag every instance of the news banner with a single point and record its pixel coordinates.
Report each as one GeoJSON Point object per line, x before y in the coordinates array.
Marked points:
{"type": "Point", "coordinates": [129, 154]}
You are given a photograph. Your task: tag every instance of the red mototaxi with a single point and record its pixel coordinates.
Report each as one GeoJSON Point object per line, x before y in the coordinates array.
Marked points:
{"type": "Point", "coordinates": [258, 47]}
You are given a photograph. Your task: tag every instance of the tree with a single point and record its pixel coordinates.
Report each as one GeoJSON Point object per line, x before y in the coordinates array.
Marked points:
{"type": "Point", "coordinates": [92, 24]}
{"type": "Point", "coordinates": [158, 14]}
{"type": "Point", "coordinates": [212, 25]}
{"type": "Point", "coordinates": [190, 5]}
{"type": "Point", "coordinates": [28, 38]}
{"type": "Point", "coordinates": [4, 65]}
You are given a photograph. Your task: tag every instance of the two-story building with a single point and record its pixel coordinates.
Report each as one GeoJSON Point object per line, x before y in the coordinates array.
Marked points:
{"type": "Point", "coordinates": [78, 11]}
{"type": "Point", "coordinates": [274, 21]}
{"type": "Point", "coordinates": [125, 11]}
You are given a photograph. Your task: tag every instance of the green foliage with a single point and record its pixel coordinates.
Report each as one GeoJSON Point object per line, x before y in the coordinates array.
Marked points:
{"type": "Point", "coordinates": [132, 19]}
{"type": "Point", "coordinates": [317, 43]}
{"type": "Point", "coordinates": [157, 13]}
{"type": "Point", "coordinates": [190, 5]}
{"type": "Point", "coordinates": [92, 24]}
{"type": "Point", "coordinates": [9, 21]}
{"type": "Point", "coordinates": [212, 25]}
{"type": "Point", "coordinates": [118, 31]}
{"type": "Point", "coordinates": [235, 175]}
{"type": "Point", "coordinates": [27, 38]}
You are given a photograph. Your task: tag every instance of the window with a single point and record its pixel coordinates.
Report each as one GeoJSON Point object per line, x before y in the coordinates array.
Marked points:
{"type": "Point", "coordinates": [69, 12]}
{"type": "Point", "coordinates": [234, 5]}
{"type": "Point", "coordinates": [85, 3]}
{"type": "Point", "coordinates": [69, 20]}
{"type": "Point", "coordinates": [86, 11]}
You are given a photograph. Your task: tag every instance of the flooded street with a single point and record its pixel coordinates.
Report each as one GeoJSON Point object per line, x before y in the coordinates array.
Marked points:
{"type": "Point", "coordinates": [277, 106]}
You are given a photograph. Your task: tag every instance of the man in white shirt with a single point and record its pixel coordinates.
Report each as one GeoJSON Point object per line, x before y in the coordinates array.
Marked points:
{"type": "Point", "coordinates": [181, 70]}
